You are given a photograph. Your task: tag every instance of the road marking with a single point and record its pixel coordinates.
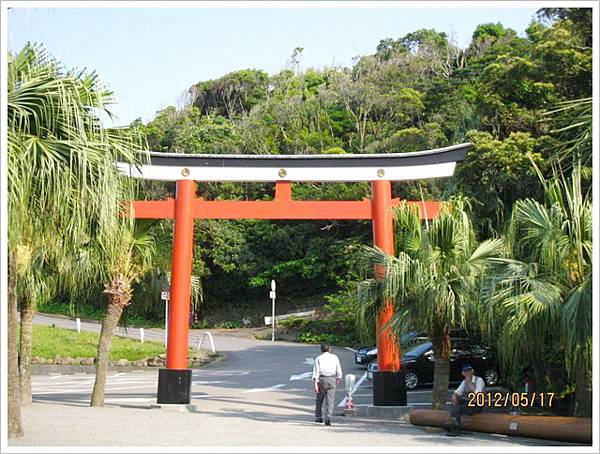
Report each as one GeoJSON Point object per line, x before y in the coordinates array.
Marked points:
{"type": "Point", "coordinates": [223, 373]}
{"type": "Point", "coordinates": [61, 382]}
{"type": "Point", "coordinates": [300, 376]}
{"type": "Point", "coordinates": [351, 349]}
{"type": "Point", "coordinates": [130, 399]}
{"type": "Point", "coordinates": [258, 390]}
{"type": "Point", "coordinates": [87, 389]}
{"type": "Point", "coordinates": [356, 385]}
{"type": "Point", "coordinates": [310, 361]}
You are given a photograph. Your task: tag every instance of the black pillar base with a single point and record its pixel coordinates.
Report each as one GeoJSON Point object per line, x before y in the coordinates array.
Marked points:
{"type": "Point", "coordinates": [174, 386]}
{"type": "Point", "coordinates": [389, 388]}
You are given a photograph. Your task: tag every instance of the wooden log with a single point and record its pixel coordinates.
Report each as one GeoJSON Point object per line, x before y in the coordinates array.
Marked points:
{"type": "Point", "coordinates": [563, 428]}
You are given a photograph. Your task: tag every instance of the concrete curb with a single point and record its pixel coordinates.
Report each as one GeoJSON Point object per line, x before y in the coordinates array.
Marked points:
{"type": "Point", "coordinates": [71, 369]}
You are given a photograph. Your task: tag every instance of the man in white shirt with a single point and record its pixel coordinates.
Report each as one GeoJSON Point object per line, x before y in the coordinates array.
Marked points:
{"type": "Point", "coordinates": [327, 374]}
{"type": "Point", "coordinates": [460, 397]}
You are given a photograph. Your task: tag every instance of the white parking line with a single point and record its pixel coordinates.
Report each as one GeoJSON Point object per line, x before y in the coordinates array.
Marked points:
{"type": "Point", "coordinates": [130, 399]}
{"type": "Point", "coordinates": [60, 383]}
{"type": "Point", "coordinates": [351, 349]}
{"type": "Point", "coordinates": [225, 373]}
{"type": "Point", "coordinates": [258, 390]}
{"type": "Point", "coordinates": [300, 376]}
{"type": "Point", "coordinates": [88, 389]}
{"type": "Point", "coordinates": [53, 376]}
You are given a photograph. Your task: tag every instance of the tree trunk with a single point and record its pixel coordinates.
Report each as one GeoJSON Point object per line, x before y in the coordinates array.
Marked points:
{"type": "Point", "coordinates": [15, 428]}
{"type": "Point", "coordinates": [441, 371]}
{"type": "Point", "coordinates": [113, 314]}
{"type": "Point", "coordinates": [583, 391]}
{"type": "Point", "coordinates": [25, 353]}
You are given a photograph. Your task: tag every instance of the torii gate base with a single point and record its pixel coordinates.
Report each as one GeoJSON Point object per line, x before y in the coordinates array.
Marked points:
{"type": "Point", "coordinates": [174, 382]}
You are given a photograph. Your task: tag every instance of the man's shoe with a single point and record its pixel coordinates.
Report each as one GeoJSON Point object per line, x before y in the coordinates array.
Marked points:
{"type": "Point", "coordinates": [327, 423]}
{"type": "Point", "coordinates": [318, 419]}
{"type": "Point", "coordinates": [454, 424]}
{"type": "Point", "coordinates": [454, 427]}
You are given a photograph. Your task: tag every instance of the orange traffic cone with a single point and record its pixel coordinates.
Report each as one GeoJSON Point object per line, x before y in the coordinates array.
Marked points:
{"type": "Point", "coordinates": [349, 409]}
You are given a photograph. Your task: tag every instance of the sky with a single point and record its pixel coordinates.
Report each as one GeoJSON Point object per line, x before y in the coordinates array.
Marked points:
{"type": "Point", "coordinates": [149, 56]}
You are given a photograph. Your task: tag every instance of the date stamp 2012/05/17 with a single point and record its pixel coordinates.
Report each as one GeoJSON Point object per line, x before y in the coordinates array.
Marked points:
{"type": "Point", "coordinates": [508, 399]}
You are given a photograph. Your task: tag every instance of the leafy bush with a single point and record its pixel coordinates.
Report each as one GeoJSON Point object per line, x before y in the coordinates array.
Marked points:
{"type": "Point", "coordinates": [333, 339]}
{"type": "Point", "coordinates": [231, 325]}
{"type": "Point", "coordinates": [294, 322]}
{"type": "Point", "coordinates": [336, 331]}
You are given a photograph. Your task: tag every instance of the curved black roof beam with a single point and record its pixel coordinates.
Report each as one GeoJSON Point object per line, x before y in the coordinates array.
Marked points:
{"type": "Point", "coordinates": [435, 163]}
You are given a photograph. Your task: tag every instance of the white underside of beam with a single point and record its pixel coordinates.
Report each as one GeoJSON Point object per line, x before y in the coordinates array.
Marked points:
{"type": "Point", "coordinates": [400, 173]}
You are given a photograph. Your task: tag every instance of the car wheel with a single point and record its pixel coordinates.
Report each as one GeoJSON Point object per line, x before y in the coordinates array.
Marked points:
{"type": "Point", "coordinates": [411, 379]}
{"type": "Point", "coordinates": [490, 376]}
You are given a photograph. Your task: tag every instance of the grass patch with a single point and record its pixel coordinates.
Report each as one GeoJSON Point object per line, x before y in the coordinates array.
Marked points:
{"type": "Point", "coordinates": [49, 342]}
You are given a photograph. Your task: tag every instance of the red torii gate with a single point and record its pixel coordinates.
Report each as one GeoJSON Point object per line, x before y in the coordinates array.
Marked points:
{"type": "Point", "coordinates": [175, 381]}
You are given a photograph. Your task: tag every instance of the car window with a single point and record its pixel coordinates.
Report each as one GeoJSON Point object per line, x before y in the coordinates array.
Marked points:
{"type": "Point", "coordinates": [474, 349]}
{"type": "Point", "coordinates": [418, 350]}
{"type": "Point", "coordinates": [458, 347]}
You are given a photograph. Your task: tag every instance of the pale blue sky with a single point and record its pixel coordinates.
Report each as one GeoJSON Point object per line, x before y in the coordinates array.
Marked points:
{"type": "Point", "coordinates": [149, 56]}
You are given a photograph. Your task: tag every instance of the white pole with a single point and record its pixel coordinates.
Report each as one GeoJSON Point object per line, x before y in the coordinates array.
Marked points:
{"type": "Point", "coordinates": [142, 335]}
{"type": "Point", "coordinates": [273, 321]}
{"type": "Point", "coordinates": [78, 324]}
{"type": "Point", "coordinates": [166, 321]}
{"type": "Point", "coordinates": [273, 287]}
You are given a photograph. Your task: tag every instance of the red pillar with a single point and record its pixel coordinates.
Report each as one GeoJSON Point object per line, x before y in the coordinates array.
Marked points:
{"type": "Point", "coordinates": [181, 276]}
{"type": "Point", "coordinates": [388, 354]}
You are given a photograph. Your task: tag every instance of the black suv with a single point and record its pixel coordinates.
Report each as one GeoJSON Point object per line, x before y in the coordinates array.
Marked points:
{"type": "Point", "coordinates": [418, 363]}
{"type": "Point", "coordinates": [366, 355]}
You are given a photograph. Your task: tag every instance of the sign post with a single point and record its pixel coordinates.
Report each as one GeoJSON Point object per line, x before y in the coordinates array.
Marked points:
{"type": "Point", "coordinates": [272, 295]}
{"type": "Point", "coordinates": [166, 295]}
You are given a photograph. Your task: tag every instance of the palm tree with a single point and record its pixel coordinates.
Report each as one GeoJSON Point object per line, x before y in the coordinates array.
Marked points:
{"type": "Point", "coordinates": [126, 257]}
{"type": "Point", "coordinates": [542, 295]}
{"type": "Point", "coordinates": [61, 180]}
{"type": "Point", "coordinates": [434, 280]}
{"type": "Point", "coordinates": [571, 123]}
{"type": "Point", "coordinates": [36, 286]}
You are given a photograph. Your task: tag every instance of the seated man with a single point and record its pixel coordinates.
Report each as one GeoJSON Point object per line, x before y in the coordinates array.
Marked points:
{"type": "Point", "coordinates": [471, 384]}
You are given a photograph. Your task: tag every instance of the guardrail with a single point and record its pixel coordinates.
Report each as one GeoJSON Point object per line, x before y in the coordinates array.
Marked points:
{"type": "Point", "coordinates": [210, 338]}
{"type": "Point", "coordinates": [284, 316]}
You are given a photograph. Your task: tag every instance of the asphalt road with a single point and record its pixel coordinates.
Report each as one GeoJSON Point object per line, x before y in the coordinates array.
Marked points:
{"type": "Point", "coordinates": [259, 395]}
{"type": "Point", "coordinates": [251, 364]}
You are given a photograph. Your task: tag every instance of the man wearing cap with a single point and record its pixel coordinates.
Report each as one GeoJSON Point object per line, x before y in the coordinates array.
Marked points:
{"type": "Point", "coordinates": [471, 384]}
{"type": "Point", "coordinates": [327, 373]}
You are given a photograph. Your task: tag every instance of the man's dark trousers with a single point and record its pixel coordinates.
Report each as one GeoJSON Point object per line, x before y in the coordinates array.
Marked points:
{"type": "Point", "coordinates": [327, 392]}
